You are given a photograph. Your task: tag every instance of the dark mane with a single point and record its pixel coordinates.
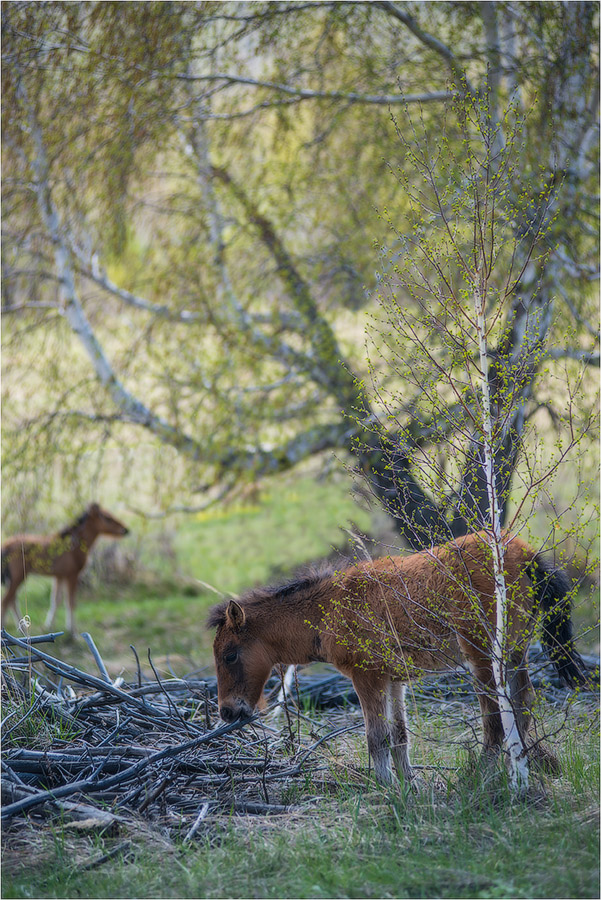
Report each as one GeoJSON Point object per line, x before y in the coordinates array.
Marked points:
{"type": "Point", "coordinates": [70, 528]}
{"type": "Point", "coordinates": [216, 616]}
{"type": "Point", "coordinates": [306, 581]}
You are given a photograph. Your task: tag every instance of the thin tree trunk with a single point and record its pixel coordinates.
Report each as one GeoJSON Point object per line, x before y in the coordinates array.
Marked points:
{"type": "Point", "coordinates": [513, 741]}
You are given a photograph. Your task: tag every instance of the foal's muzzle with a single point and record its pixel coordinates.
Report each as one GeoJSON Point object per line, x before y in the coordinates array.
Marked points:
{"type": "Point", "coordinates": [228, 714]}
{"type": "Point", "coordinates": [231, 712]}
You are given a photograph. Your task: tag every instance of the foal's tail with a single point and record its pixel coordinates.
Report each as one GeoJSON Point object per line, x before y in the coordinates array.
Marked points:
{"type": "Point", "coordinates": [552, 590]}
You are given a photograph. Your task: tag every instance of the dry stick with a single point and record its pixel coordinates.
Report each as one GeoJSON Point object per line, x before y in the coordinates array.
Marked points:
{"type": "Point", "coordinates": [331, 734]}
{"type": "Point", "coordinates": [89, 785]}
{"type": "Point", "coordinates": [37, 639]}
{"type": "Point", "coordinates": [263, 808]}
{"type": "Point", "coordinates": [285, 705]}
{"type": "Point", "coordinates": [120, 848]}
{"type": "Point", "coordinates": [77, 811]}
{"type": "Point", "coordinates": [206, 707]}
{"type": "Point", "coordinates": [150, 688]}
{"type": "Point", "coordinates": [297, 701]}
{"type": "Point", "coordinates": [82, 677]}
{"type": "Point", "coordinates": [22, 757]}
{"type": "Point", "coordinates": [135, 652]}
{"type": "Point", "coordinates": [264, 772]}
{"type": "Point", "coordinates": [169, 703]}
{"type": "Point", "coordinates": [152, 796]}
{"type": "Point", "coordinates": [201, 815]}
{"type": "Point", "coordinates": [119, 727]}
{"type": "Point", "coordinates": [99, 661]}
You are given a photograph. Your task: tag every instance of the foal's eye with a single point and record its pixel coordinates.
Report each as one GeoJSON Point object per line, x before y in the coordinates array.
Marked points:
{"type": "Point", "coordinates": [231, 657]}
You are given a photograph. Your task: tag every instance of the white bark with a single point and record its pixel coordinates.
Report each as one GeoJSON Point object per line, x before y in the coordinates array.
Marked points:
{"type": "Point", "coordinates": [513, 741]}
{"type": "Point", "coordinates": [131, 409]}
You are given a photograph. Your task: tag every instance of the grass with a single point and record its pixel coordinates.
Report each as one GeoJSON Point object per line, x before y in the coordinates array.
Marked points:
{"type": "Point", "coordinates": [462, 840]}
{"type": "Point", "coordinates": [231, 549]}
{"type": "Point", "coordinates": [291, 523]}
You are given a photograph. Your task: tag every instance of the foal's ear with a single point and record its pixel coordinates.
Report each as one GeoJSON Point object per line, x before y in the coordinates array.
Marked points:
{"type": "Point", "coordinates": [235, 615]}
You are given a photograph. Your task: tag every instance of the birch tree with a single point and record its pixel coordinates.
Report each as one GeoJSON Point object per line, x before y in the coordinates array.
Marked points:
{"type": "Point", "coordinates": [188, 214]}
{"type": "Point", "coordinates": [446, 284]}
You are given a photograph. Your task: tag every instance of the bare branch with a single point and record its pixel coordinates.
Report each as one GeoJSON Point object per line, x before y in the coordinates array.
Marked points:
{"type": "Point", "coordinates": [308, 94]}
{"type": "Point", "coordinates": [429, 41]}
{"type": "Point", "coordinates": [328, 356]}
{"type": "Point", "coordinates": [102, 280]}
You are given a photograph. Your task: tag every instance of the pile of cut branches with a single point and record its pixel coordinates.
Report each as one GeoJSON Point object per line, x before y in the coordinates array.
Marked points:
{"type": "Point", "coordinates": [97, 751]}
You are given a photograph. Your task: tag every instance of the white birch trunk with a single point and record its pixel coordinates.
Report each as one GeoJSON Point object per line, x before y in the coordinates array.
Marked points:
{"type": "Point", "coordinates": [131, 408]}
{"type": "Point", "coordinates": [513, 741]}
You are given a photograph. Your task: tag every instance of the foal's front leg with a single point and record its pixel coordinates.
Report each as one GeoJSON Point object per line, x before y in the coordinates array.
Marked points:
{"type": "Point", "coordinates": [71, 591]}
{"type": "Point", "coordinates": [55, 598]}
{"type": "Point", "coordinates": [372, 694]}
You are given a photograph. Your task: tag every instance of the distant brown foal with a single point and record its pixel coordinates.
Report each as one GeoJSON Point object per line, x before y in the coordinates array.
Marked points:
{"type": "Point", "coordinates": [385, 623]}
{"type": "Point", "coordinates": [62, 555]}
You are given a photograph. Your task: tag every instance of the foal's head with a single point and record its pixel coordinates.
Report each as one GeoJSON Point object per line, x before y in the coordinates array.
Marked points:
{"type": "Point", "coordinates": [241, 659]}
{"type": "Point", "coordinates": [104, 522]}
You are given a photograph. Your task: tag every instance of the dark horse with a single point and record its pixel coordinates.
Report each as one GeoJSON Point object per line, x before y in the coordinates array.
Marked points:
{"type": "Point", "coordinates": [62, 555]}
{"type": "Point", "coordinates": [386, 622]}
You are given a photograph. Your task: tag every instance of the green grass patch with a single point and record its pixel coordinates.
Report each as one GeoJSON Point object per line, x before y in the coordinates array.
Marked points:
{"type": "Point", "coordinates": [291, 523]}
{"type": "Point", "coordinates": [465, 839]}
{"type": "Point", "coordinates": [231, 548]}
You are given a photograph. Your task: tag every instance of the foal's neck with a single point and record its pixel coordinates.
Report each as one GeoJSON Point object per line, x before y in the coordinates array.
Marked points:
{"type": "Point", "coordinates": [85, 534]}
{"type": "Point", "coordinates": [291, 635]}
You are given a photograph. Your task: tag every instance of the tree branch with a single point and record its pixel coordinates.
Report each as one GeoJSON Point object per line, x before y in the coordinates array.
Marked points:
{"type": "Point", "coordinates": [308, 94]}
{"type": "Point", "coordinates": [100, 278]}
{"type": "Point", "coordinates": [335, 375]}
{"type": "Point", "coordinates": [132, 409]}
{"type": "Point", "coordinates": [429, 41]}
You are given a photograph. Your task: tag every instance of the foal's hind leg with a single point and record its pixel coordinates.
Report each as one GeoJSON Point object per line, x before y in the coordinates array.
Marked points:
{"type": "Point", "coordinates": [399, 733]}
{"type": "Point", "coordinates": [10, 600]}
{"type": "Point", "coordinates": [492, 726]}
{"type": "Point", "coordinates": [522, 698]}
{"type": "Point", "coordinates": [372, 694]}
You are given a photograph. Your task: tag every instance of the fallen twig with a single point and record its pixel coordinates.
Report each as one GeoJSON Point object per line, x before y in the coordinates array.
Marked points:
{"type": "Point", "coordinates": [124, 749]}
{"type": "Point", "coordinates": [123, 847]}
{"type": "Point", "coordinates": [201, 815]}
{"type": "Point", "coordinates": [94, 650]}
{"type": "Point", "coordinates": [89, 785]}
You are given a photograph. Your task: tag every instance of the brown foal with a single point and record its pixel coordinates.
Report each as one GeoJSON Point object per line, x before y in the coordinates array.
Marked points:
{"type": "Point", "coordinates": [385, 623]}
{"type": "Point", "coordinates": [62, 555]}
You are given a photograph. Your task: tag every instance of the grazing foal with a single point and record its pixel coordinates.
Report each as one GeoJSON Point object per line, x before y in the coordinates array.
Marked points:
{"type": "Point", "coordinates": [386, 622]}
{"type": "Point", "coordinates": [62, 555]}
